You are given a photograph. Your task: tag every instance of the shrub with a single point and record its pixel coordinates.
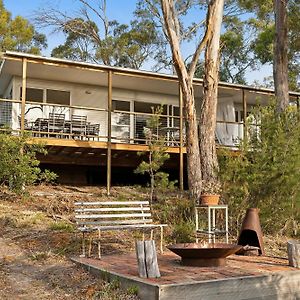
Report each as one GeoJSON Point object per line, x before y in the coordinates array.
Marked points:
{"type": "Point", "coordinates": [265, 171]}
{"type": "Point", "coordinates": [179, 215]}
{"type": "Point", "coordinates": [18, 164]}
{"type": "Point", "coordinates": [156, 155]}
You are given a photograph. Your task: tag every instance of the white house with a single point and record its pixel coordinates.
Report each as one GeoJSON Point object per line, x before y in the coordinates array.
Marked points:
{"type": "Point", "coordinates": [88, 110]}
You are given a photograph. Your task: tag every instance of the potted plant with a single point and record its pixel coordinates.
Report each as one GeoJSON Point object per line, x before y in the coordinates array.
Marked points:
{"type": "Point", "coordinates": [210, 194]}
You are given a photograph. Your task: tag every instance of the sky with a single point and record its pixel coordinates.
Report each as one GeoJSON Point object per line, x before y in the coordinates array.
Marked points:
{"type": "Point", "coordinates": [121, 10]}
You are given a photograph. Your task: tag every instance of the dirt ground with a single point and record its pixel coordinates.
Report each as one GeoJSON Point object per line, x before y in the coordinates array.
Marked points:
{"type": "Point", "coordinates": [36, 243]}
{"type": "Point", "coordinates": [37, 239]}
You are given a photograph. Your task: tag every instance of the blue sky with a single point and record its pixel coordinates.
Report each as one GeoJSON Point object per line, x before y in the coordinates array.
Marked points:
{"type": "Point", "coordinates": [120, 10]}
{"type": "Point", "coordinates": [116, 9]}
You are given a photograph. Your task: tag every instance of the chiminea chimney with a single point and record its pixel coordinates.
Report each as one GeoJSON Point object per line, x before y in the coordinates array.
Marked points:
{"type": "Point", "coordinates": [251, 233]}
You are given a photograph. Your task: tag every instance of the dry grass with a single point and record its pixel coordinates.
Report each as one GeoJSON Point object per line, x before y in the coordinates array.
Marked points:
{"type": "Point", "coordinates": [36, 242]}
{"type": "Point", "coordinates": [37, 239]}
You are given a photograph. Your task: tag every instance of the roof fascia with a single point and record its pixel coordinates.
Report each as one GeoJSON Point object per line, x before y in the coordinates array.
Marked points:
{"type": "Point", "coordinates": [124, 71]}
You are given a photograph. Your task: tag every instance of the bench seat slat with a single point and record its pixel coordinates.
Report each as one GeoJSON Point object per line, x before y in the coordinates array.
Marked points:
{"type": "Point", "coordinates": [112, 203]}
{"type": "Point", "coordinates": [104, 228]}
{"type": "Point", "coordinates": [109, 209]}
{"type": "Point", "coordinates": [111, 216]}
{"type": "Point", "coordinates": [119, 222]}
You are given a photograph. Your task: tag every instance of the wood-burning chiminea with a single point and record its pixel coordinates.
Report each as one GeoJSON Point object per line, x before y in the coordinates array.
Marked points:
{"type": "Point", "coordinates": [251, 233]}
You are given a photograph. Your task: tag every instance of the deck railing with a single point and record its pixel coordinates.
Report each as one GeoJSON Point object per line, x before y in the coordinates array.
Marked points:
{"type": "Point", "coordinates": [89, 123]}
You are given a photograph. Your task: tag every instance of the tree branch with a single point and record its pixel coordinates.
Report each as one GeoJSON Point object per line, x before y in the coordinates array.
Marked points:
{"type": "Point", "coordinates": [204, 40]}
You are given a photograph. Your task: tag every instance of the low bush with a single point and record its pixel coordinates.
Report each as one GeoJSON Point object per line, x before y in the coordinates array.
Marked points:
{"type": "Point", "coordinates": [265, 172]}
{"type": "Point", "coordinates": [18, 164]}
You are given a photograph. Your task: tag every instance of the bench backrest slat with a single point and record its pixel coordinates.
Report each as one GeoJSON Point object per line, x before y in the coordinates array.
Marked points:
{"type": "Point", "coordinates": [111, 216]}
{"type": "Point", "coordinates": [110, 209]}
{"type": "Point", "coordinates": [119, 222]}
{"type": "Point", "coordinates": [114, 203]}
{"type": "Point", "coordinates": [114, 213]}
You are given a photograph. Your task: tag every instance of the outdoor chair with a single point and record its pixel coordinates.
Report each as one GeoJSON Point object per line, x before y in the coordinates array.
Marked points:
{"type": "Point", "coordinates": [56, 123]}
{"type": "Point", "coordinates": [93, 130]}
{"type": "Point", "coordinates": [27, 125]}
{"type": "Point", "coordinates": [78, 125]}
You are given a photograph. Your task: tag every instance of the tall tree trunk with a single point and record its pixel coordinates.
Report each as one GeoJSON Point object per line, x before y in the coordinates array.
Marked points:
{"type": "Point", "coordinates": [185, 77]}
{"type": "Point", "coordinates": [208, 111]}
{"type": "Point", "coordinates": [192, 146]}
{"type": "Point", "coordinates": [280, 63]}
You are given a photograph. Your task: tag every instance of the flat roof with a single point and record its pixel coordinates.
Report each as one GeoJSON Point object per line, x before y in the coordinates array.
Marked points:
{"type": "Point", "coordinates": [51, 60]}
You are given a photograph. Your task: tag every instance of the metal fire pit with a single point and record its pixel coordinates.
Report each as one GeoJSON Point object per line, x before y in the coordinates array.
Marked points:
{"type": "Point", "coordinates": [209, 255]}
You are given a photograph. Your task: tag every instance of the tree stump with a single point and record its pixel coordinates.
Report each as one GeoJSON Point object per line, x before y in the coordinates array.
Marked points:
{"type": "Point", "coordinates": [147, 259]}
{"type": "Point", "coordinates": [293, 249]}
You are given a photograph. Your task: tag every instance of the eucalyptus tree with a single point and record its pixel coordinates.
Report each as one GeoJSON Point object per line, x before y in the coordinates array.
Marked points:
{"type": "Point", "coordinates": [200, 165]}
{"type": "Point", "coordinates": [264, 43]}
{"type": "Point", "coordinates": [92, 36]}
{"type": "Point", "coordinates": [18, 34]}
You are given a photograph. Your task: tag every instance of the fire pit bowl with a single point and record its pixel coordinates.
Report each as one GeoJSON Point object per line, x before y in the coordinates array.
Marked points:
{"type": "Point", "coordinates": [209, 255]}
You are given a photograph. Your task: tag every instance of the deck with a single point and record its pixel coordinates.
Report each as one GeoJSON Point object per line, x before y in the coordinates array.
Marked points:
{"type": "Point", "coordinates": [243, 277]}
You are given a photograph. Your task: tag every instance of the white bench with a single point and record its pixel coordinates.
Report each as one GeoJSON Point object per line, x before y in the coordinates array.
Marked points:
{"type": "Point", "coordinates": [114, 215]}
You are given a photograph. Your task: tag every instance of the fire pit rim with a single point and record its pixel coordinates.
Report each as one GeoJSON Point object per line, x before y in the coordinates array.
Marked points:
{"type": "Point", "coordinates": [207, 251]}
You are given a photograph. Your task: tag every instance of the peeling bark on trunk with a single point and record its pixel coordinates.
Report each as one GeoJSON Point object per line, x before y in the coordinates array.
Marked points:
{"type": "Point", "coordinates": [192, 139]}
{"type": "Point", "coordinates": [192, 146]}
{"type": "Point", "coordinates": [186, 82]}
{"type": "Point", "coordinates": [185, 78]}
{"type": "Point", "coordinates": [280, 63]}
{"type": "Point", "coordinates": [208, 111]}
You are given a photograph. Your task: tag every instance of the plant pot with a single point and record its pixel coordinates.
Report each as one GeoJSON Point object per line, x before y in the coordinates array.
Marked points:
{"type": "Point", "coordinates": [209, 199]}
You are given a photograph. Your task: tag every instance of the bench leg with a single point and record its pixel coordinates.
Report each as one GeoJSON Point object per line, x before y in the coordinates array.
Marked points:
{"type": "Point", "coordinates": [90, 245]}
{"type": "Point", "coordinates": [143, 236]}
{"type": "Point", "coordinates": [83, 245]}
{"type": "Point", "coordinates": [161, 239]}
{"type": "Point", "coordinates": [99, 245]}
{"type": "Point", "coordinates": [151, 234]}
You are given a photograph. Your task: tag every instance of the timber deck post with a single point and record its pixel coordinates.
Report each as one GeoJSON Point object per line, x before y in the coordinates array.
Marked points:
{"type": "Point", "coordinates": [244, 114]}
{"type": "Point", "coordinates": [109, 107]}
{"type": "Point", "coordinates": [180, 139]}
{"type": "Point", "coordinates": [23, 103]}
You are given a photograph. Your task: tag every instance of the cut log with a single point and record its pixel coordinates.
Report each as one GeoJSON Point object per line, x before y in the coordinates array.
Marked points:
{"type": "Point", "coordinates": [151, 259]}
{"type": "Point", "coordinates": [293, 249]}
{"type": "Point", "coordinates": [140, 256]}
{"type": "Point", "coordinates": [147, 259]}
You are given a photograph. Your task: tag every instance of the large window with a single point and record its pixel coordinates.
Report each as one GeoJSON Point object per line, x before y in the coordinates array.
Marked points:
{"type": "Point", "coordinates": [33, 95]}
{"type": "Point", "coordinates": [121, 105]}
{"type": "Point", "coordinates": [174, 111]}
{"type": "Point", "coordinates": [58, 97]}
{"type": "Point", "coordinates": [120, 121]}
{"type": "Point", "coordinates": [147, 107]}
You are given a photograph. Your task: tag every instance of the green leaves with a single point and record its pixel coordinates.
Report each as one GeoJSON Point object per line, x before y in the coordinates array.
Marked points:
{"type": "Point", "coordinates": [18, 34]}
{"type": "Point", "coordinates": [106, 41]}
{"type": "Point", "coordinates": [266, 171]}
{"type": "Point", "coordinates": [156, 156]}
{"type": "Point", "coordinates": [18, 164]}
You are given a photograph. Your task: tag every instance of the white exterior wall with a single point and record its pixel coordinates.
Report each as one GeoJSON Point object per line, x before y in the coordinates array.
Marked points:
{"type": "Point", "coordinates": [85, 96]}
{"type": "Point", "coordinates": [96, 97]}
